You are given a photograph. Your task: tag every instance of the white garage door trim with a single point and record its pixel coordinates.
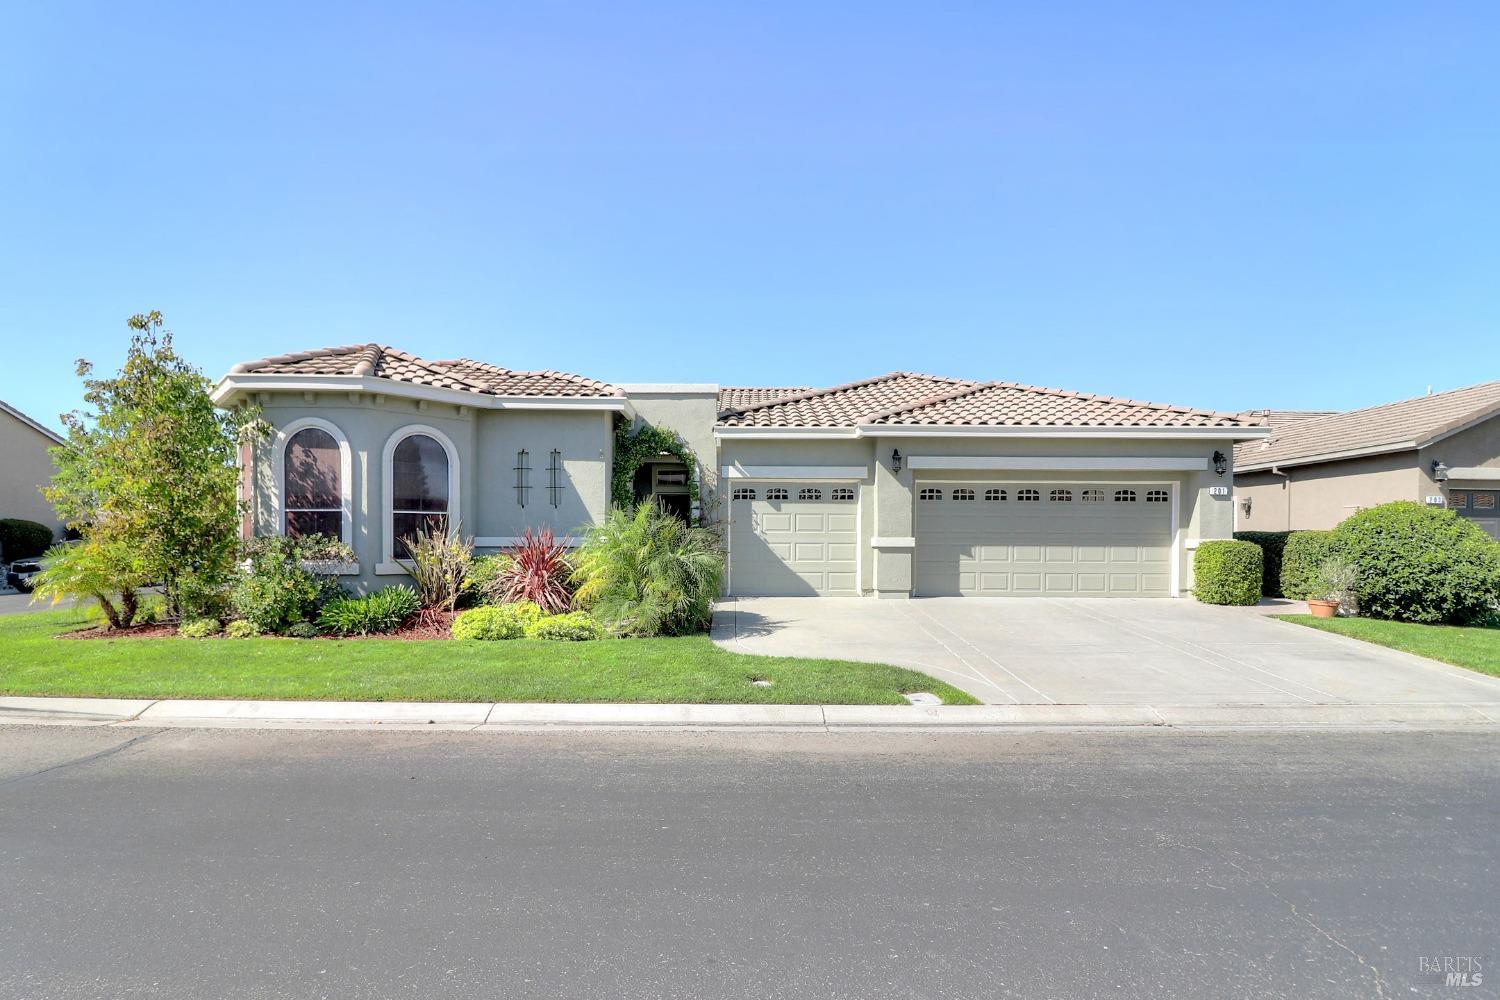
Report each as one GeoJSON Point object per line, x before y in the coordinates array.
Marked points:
{"type": "Point", "coordinates": [761, 483]}
{"type": "Point", "coordinates": [1175, 588]}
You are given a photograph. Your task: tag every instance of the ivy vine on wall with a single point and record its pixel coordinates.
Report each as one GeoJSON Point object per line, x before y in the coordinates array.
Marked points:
{"type": "Point", "coordinates": [634, 448]}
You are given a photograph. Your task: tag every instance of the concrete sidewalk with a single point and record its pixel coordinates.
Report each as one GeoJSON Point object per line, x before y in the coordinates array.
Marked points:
{"type": "Point", "coordinates": [501, 717]}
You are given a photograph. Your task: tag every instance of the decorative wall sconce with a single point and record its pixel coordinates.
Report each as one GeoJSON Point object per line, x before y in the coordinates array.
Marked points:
{"type": "Point", "coordinates": [895, 459]}
{"type": "Point", "coordinates": [1221, 463]}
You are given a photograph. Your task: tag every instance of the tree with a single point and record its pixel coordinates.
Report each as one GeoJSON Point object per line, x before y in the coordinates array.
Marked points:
{"type": "Point", "coordinates": [151, 468]}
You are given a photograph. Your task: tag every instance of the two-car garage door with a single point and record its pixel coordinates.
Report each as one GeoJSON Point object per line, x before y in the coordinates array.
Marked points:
{"type": "Point", "coordinates": [1043, 539]}
{"type": "Point", "coordinates": [791, 539]}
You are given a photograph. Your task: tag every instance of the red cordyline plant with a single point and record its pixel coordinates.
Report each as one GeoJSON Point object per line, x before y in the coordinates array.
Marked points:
{"type": "Point", "coordinates": [538, 572]}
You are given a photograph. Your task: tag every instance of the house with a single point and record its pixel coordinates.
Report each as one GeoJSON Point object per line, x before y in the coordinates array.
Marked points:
{"type": "Point", "coordinates": [1312, 472]}
{"type": "Point", "coordinates": [896, 486]}
{"type": "Point", "coordinates": [25, 467]}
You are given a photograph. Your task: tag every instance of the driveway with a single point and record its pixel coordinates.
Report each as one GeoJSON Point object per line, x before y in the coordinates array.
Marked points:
{"type": "Point", "coordinates": [1115, 652]}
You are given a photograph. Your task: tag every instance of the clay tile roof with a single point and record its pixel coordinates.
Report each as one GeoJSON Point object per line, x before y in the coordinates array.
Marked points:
{"type": "Point", "coordinates": [377, 361]}
{"type": "Point", "coordinates": [1399, 426]}
{"type": "Point", "coordinates": [842, 405]}
{"type": "Point", "coordinates": [1008, 404]}
{"type": "Point", "coordinates": [736, 397]}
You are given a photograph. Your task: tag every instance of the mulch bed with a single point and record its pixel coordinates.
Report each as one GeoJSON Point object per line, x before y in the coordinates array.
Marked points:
{"type": "Point", "coordinates": [425, 627]}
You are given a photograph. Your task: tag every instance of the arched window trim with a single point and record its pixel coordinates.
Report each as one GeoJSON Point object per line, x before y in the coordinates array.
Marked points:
{"type": "Point", "coordinates": [284, 437]}
{"type": "Point", "coordinates": [387, 484]}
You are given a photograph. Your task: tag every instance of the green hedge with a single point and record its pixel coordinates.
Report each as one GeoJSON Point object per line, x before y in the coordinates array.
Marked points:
{"type": "Point", "coordinates": [1304, 554]}
{"type": "Point", "coordinates": [1226, 572]}
{"type": "Point", "coordinates": [1271, 545]}
{"type": "Point", "coordinates": [494, 622]}
{"type": "Point", "coordinates": [1420, 564]}
{"type": "Point", "coordinates": [22, 539]}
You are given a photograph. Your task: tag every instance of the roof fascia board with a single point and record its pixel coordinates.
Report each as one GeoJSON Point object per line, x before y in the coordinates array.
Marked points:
{"type": "Point", "coordinates": [785, 433]}
{"type": "Point", "coordinates": [1114, 433]}
{"type": "Point", "coordinates": [232, 385]}
{"type": "Point", "coordinates": [1329, 456]}
{"type": "Point", "coordinates": [47, 432]}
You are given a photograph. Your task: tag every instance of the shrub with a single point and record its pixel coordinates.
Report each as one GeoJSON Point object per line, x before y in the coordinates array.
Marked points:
{"type": "Point", "coordinates": [1304, 554]}
{"type": "Point", "coordinates": [1271, 543]}
{"type": "Point", "coordinates": [538, 572]}
{"type": "Point", "coordinates": [285, 584]}
{"type": "Point", "coordinates": [1420, 564]}
{"type": "Point", "coordinates": [22, 539]}
{"type": "Point", "coordinates": [1338, 580]}
{"type": "Point", "coordinates": [484, 579]}
{"type": "Point", "coordinates": [302, 630]}
{"type": "Point", "coordinates": [240, 629]}
{"type": "Point", "coordinates": [645, 573]}
{"type": "Point", "coordinates": [198, 628]}
{"type": "Point", "coordinates": [383, 611]}
{"type": "Point", "coordinates": [1227, 572]}
{"type": "Point", "coordinates": [496, 621]}
{"type": "Point", "coordinates": [575, 626]}
{"type": "Point", "coordinates": [106, 569]}
{"type": "Point", "coordinates": [439, 566]}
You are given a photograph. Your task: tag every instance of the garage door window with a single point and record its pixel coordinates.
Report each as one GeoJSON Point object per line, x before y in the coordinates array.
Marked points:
{"type": "Point", "coordinates": [1093, 496]}
{"type": "Point", "coordinates": [994, 495]}
{"type": "Point", "coordinates": [963, 494]}
{"type": "Point", "coordinates": [1484, 501]}
{"type": "Point", "coordinates": [1157, 496]}
{"type": "Point", "coordinates": [810, 494]}
{"type": "Point", "coordinates": [1062, 496]}
{"type": "Point", "coordinates": [843, 493]}
{"type": "Point", "coordinates": [776, 494]}
{"type": "Point", "coordinates": [930, 494]}
{"type": "Point", "coordinates": [1124, 496]}
{"type": "Point", "coordinates": [744, 493]}
{"type": "Point", "coordinates": [1029, 496]}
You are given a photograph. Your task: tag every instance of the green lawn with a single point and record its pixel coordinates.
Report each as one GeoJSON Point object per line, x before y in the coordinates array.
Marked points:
{"type": "Point", "coordinates": [34, 662]}
{"type": "Point", "coordinates": [1472, 647]}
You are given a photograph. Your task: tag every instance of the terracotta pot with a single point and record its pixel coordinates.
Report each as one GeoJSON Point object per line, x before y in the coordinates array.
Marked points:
{"type": "Point", "coordinates": [1322, 609]}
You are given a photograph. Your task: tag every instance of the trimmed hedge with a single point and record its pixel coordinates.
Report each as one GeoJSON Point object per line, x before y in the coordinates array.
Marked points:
{"type": "Point", "coordinates": [1421, 564]}
{"type": "Point", "coordinates": [1302, 557]}
{"type": "Point", "coordinates": [22, 539]}
{"type": "Point", "coordinates": [1227, 572]}
{"type": "Point", "coordinates": [1271, 545]}
{"type": "Point", "coordinates": [574, 626]}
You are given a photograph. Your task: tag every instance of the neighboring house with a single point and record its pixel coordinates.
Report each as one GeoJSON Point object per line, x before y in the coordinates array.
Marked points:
{"type": "Point", "coordinates": [1442, 448]}
{"type": "Point", "coordinates": [897, 486]}
{"type": "Point", "coordinates": [25, 467]}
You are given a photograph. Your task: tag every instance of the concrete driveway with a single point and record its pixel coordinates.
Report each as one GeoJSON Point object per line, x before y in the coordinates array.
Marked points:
{"type": "Point", "coordinates": [1115, 652]}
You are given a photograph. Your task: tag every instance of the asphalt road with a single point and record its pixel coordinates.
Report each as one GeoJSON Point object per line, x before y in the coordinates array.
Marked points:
{"type": "Point", "coordinates": [297, 864]}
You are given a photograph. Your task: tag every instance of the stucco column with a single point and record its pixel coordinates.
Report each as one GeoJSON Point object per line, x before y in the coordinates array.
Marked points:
{"type": "Point", "coordinates": [892, 540]}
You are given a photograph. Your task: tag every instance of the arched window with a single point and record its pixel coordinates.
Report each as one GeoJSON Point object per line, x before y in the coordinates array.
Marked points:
{"type": "Point", "coordinates": [930, 493]}
{"type": "Point", "coordinates": [744, 493]}
{"type": "Point", "coordinates": [808, 493]}
{"type": "Point", "coordinates": [420, 490]}
{"type": "Point", "coordinates": [1062, 496]}
{"type": "Point", "coordinates": [963, 494]}
{"type": "Point", "coordinates": [1029, 496]}
{"type": "Point", "coordinates": [994, 495]}
{"type": "Point", "coordinates": [1157, 496]}
{"type": "Point", "coordinates": [1093, 496]}
{"type": "Point", "coordinates": [313, 485]}
{"type": "Point", "coordinates": [776, 493]}
{"type": "Point", "coordinates": [843, 493]}
{"type": "Point", "coordinates": [1124, 496]}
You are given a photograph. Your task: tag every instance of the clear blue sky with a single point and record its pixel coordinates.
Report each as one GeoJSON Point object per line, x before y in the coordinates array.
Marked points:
{"type": "Point", "coordinates": [1286, 204]}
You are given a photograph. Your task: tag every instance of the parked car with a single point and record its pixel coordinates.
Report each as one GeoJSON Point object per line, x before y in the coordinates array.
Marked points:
{"type": "Point", "coordinates": [20, 574]}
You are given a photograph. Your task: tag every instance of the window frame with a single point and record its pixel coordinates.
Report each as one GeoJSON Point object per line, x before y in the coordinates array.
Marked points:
{"type": "Point", "coordinates": [811, 494]}
{"type": "Point", "coordinates": [841, 494]}
{"type": "Point", "coordinates": [284, 437]}
{"type": "Point", "coordinates": [387, 490]}
{"type": "Point", "coordinates": [744, 493]}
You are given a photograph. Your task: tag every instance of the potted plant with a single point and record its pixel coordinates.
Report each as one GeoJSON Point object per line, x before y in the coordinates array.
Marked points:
{"type": "Point", "coordinates": [1334, 590]}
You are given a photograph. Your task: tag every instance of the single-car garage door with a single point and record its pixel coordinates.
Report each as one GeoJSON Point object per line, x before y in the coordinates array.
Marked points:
{"type": "Point", "coordinates": [1043, 539]}
{"type": "Point", "coordinates": [790, 539]}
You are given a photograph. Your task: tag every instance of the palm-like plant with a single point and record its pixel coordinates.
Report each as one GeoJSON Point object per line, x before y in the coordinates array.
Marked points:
{"type": "Point", "coordinates": [538, 572]}
{"type": "Point", "coordinates": [646, 572]}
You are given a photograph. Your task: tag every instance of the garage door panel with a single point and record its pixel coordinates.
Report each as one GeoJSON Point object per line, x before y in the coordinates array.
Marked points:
{"type": "Point", "coordinates": [792, 548]}
{"type": "Point", "coordinates": [1089, 545]}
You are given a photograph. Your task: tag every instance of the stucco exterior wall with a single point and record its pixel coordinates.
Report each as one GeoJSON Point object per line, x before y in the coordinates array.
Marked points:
{"type": "Point", "coordinates": [887, 498]}
{"type": "Point", "coordinates": [25, 466]}
{"type": "Point", "coordinates": [486, 442]}
{"type": "Point", "coordinates": [1477, 447]}
{"type": "Point", "coordinates": [1317, 497]}
{"type": "Point", "coordinates": [690, 411]}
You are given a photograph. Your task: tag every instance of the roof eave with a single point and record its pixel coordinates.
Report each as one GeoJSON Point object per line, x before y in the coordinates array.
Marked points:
{"type": "Point", "coordinates": [1330, 456]}
{"type": "Point", "coordinates": [1075, 431]}
{"type": "Point", "coordinates": [231, 388]}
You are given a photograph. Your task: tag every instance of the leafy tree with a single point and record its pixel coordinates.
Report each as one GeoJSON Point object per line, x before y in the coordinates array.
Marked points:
{"type": "Point", "coordinates": [151, 468]}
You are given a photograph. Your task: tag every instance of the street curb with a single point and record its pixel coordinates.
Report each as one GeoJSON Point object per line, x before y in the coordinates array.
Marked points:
{"type": "Point", "coordinates": [501, 717]}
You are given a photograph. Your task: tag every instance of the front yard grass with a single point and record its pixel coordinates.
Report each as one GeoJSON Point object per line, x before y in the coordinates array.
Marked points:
{"type": "Point", "coordinates": [1464, 646]}
{"type": "Point", "coordinates": [689, 669]}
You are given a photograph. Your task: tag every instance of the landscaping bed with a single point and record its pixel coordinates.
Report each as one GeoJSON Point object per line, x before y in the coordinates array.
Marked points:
{"type": "Point", "coordinates": [687, 669]}
{"type": "Point", "coordinates": [1474, 647]}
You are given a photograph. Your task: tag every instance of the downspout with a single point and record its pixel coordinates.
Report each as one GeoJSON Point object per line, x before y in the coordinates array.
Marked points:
{"type": "Point", "coordinates": [1287, 485]}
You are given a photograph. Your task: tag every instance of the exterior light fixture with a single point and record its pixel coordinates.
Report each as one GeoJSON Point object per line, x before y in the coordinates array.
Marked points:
{"type": "Point", "coordinates": [1439, 472]}
{"type": "Point", "coordinates": [895, 459]}
{"type": "Point", "coordinates": [1221, 463]}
